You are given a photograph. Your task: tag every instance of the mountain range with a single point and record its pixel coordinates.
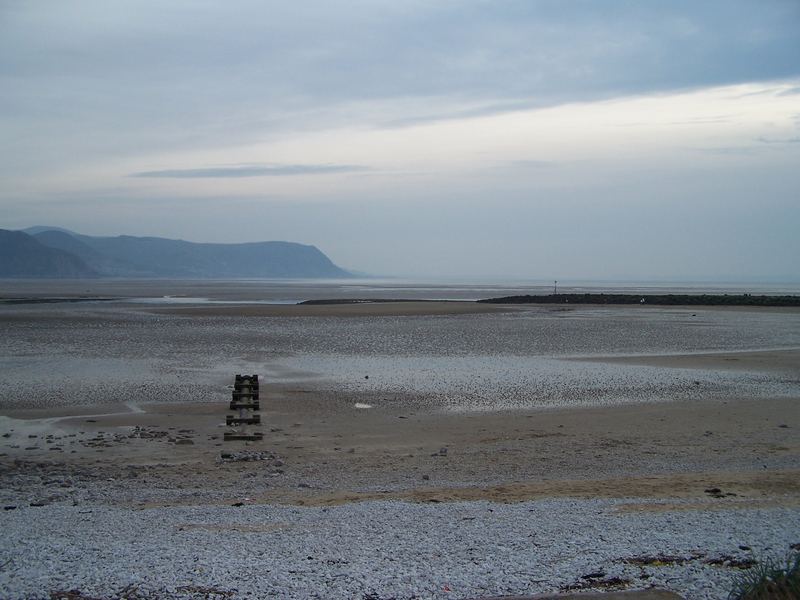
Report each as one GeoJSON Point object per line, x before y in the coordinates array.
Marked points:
{"type": "Point", "coordinates": [52, 252]}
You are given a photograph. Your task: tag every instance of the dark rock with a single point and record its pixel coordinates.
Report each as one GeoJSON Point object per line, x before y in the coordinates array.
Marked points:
{"type": "Point", "coordinates": [731, 562]}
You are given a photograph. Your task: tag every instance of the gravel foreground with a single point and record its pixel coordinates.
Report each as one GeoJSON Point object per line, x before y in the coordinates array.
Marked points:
{"type": "Point", "coordinates": [381, 550]}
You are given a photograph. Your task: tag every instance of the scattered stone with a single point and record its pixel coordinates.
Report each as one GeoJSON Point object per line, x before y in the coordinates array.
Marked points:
{"type": "Point", "coordinates": [659, 560]}
{"type": "Point", "coordinates": [732, 562]}
{"type": "Point", "coordinates": [248, 456]}
{"type": "Point", "coordinates": [612, 583]}
{"type": "Point", "coordinates": [597, 575]}
{"type": "Point", "coordinates": [184, 442]}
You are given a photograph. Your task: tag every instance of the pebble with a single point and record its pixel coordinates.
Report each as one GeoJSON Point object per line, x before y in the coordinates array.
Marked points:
{"type": "Point", "coordinates": [386, 549]}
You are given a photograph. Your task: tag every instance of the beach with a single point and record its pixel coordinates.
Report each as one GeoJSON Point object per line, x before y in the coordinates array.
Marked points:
{"type": "Point", "coordinates": [678, 425]}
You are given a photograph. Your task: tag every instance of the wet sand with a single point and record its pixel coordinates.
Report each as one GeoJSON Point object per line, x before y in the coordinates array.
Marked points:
{"type": "Point", "coordinates": [780, 361]}
{"type": "Point", "coordinates": [321, 453]}
{"type": "Point", "coordinates": [405, 446]}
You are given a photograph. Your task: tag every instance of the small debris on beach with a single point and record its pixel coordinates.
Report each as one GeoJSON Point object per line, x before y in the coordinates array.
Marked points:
{"type": "Point", "coordinates": [732, 562]}
{"type": "Point", "coordinates": [249, 456]}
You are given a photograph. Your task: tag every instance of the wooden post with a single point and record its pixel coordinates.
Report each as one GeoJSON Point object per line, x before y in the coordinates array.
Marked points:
{"type": "Point", "coordinates": [245, 400]}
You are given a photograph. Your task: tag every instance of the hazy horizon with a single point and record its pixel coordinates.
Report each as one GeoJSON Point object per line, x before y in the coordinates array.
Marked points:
{"type": "Point", "coordinates": [524, 140]}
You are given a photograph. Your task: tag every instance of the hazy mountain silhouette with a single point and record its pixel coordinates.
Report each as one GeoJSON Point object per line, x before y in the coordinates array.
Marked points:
{"type": "Point", "coordinates": [23, 256]}
{"type": "Point", "coordinates": [128, 256]}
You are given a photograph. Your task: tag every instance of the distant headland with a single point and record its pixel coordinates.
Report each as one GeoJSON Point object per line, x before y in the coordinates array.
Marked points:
{"type": "Point", "coordinates": [51, 252]}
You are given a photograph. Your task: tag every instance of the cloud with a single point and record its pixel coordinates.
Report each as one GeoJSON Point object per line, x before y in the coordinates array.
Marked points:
{"type": "Point", "coordinates": [728, 150]}
{"type": "Point", "coordinates": [706, 120]}
{"type": "Point", "coordinates": [532, 164]}
{"type": "Point", "coordinates": [765, 140]}
{"type": "Point", "coordinates": [250, 171]}
{"type": "Point", "coordinates": [154, 76]}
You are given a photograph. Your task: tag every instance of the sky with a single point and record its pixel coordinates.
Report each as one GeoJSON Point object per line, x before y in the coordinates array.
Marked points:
{"type": "Point", "coordinates": [530, 139]}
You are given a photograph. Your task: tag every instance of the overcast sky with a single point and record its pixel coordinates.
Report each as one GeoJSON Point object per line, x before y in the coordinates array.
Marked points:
{"type": "Point", "coordinates": [536, 139]}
